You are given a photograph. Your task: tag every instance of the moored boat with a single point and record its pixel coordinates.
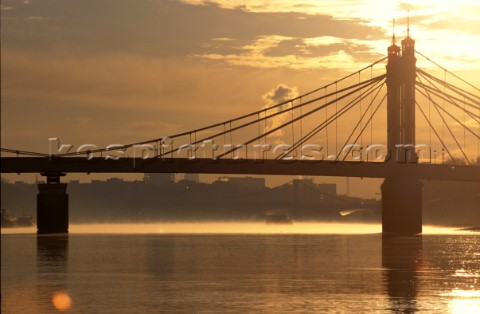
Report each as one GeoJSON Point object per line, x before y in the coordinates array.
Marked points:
{"type": "Point", "coordinates": [10, 221]}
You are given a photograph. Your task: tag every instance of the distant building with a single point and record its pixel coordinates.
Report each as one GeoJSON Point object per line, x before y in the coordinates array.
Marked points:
{"type": "Point", "coordinates": [159, 178]}
{"type": "Point", "coordinates": [308, 184]}
{"type": "Point", "coordinates": [114, 180]}
{"type": "Point", "coordinates": [327, 188]}
{"type": "Point", "coordinates": [194, 177]}
{"type": "Point", "coordinates": [245, 182]}
{"type": "Point", "coordinates": [305, 183]}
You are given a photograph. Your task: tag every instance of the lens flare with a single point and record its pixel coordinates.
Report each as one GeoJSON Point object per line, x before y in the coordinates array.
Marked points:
{"type": "Point", "coordinates": [61, 301]}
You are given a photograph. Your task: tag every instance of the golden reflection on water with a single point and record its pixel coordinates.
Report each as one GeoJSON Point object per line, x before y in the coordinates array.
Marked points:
{"type": "Point", "coordinates": [464, 301]}
{"type": "Point", "coordinates": [465, 273]}
{"type": "Point", "coordinates": [228, 228]}
{"type": "Point", "coordinates": [446, 230]}
{"type": "Point", "coordinates": [21, 230]}
{"type": "Point", "coordinates": [232, 228]}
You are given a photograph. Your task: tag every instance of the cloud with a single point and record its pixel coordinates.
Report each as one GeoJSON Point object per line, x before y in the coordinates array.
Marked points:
{"type": "Point", "coordinates": [440, 29]}
{"type": "Point", "coordinates": [277, 95]}
{"type": "Point", "coordinates": [274, 52]}
{"type": "Point", "coordinates": [159, 28]}
{"type": "Point", "coordinates": [280, 94]}
{"type": "Point", "coordinates": [337, 8]}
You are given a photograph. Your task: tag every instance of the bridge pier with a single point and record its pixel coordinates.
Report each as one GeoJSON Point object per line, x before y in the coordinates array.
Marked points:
{"type": "Point", "coordinates": [52, 205]}
{"type": "Point", "coordinates": [401, 206]}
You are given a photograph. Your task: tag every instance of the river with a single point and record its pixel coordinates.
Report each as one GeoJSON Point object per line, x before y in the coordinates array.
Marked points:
{"type": "Point", "coordinates": [239, 268]}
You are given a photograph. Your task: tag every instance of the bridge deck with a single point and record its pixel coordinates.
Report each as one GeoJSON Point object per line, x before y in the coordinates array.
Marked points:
{"type": "Point", "coordinates": [252, 167]}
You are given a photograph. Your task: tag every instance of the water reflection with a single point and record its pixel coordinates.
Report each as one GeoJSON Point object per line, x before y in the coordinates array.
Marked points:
{"type": "Point", "coordinates": [241, 273]}
{"type": "Point", "coordinates": [464, 301]}
{"type": "Point", "coordinates": [52, 270]}
{"type": "Point", "coordinates": [52, 249]}
{"type": "Point", "coordinates": [402, 260]}
{"type": "Point", "coordinates": [263, 273]}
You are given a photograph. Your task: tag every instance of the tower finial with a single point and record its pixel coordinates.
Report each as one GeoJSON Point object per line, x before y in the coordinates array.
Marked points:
{"type": "Point", "coordinates": [393, 33]}
{"type": "Point", "coordinates": [408, 23]}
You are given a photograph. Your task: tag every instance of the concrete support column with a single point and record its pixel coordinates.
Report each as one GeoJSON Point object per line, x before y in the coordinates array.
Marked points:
{"type": "Point", "coordinates": [52, 206]}
{"type": "Point", "coordinates": [401, 206]}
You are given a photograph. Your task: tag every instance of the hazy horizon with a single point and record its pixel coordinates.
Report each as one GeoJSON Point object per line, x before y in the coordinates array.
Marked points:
{"type": "Point", "coordinates": [233, 228]}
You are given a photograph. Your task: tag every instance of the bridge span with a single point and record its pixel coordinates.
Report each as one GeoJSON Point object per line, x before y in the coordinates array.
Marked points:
{"type": "Point", "coordinates": [390, 169]}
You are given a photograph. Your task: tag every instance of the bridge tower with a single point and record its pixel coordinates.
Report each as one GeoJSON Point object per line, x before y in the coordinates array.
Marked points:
{"type": "Point", "coordinates": [401, 195]}
{"type": "Point", "coordinates": [52, 205]}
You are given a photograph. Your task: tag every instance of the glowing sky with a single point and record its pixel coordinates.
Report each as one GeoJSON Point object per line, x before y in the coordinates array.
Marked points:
{"type": "Point", "coordinates": [119, 71]}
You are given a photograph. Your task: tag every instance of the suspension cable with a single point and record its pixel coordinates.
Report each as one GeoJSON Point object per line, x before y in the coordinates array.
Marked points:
{"type": "Point", "coordinates": [437, 93]}
{"type": "Point", "coordinates": [453, 88]}
{"type": "Point", "coordinates": [368, 121]}
{"type": "Point", "coordinates": [332, 118]}
{"type": "Point", "coordinates": [304, 115]}
{"type": "Point", "coordinates": [449, 114]}
{"type": "Point", "coordinates": [456, 76]}
{"type": "Point", "coordinates": [358, 124]}
{"type": "Point", "coordinates": [436, 106]}
{"type": "Point", "coordinates": [362, 85]}
{"type": "Point", "coordinates": [435, 131]}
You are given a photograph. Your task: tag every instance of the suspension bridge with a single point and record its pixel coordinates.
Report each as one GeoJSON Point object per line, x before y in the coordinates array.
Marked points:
{"type": "Point", "coordinates": [404, 125]}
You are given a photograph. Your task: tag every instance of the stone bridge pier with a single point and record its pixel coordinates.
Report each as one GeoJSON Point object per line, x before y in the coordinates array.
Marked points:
{"type": "Point", "coordinates": [52, 205]}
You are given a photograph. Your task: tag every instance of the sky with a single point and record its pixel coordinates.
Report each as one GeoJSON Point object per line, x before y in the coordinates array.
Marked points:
{"type": "Point", "coordinates": [122, 71]}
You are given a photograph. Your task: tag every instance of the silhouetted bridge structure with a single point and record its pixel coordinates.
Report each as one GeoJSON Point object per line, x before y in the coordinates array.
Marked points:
{"type": "Point", "coordinates": [447, 172]}
{"type": "Point", "coordinates": [283, 139]}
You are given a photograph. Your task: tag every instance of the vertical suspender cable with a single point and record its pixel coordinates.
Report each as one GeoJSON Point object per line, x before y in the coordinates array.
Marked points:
{"type": "Point", "coordinates": [326, 116]}
{"type": "Point", "coordinates": [371, 108]}
{"type": "Point", "coordinates": [443, 104]}
{"type": "Point", "coordinates": [464, 129]}
{"type": "Point", "coordinates": [231, 140]}
{"type": "Point", "coordinates": [336, 117]}
{"type": "Point", "coordinates": [224, 134]}
{"type": "Point", "coordinates": [293, 127]}
{"type": "Point", "coordinates": [195, 146]}
{"type": "Point", "coordinates": [360, 106]}
{"type": "Point", "coordinates": [259, 129]}
{"type": "Point", "coordinates": [265, 127]}
{"type": "Point", "coordinates": [429, 116]}
{"type": "Point", "coordinates": [301, 120]}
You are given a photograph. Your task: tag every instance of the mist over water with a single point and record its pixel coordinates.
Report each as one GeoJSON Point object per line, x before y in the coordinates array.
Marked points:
{"type": "Point", "coordinates": [229, 228]}
{"type": "Point", "coordinates": [216, 227]}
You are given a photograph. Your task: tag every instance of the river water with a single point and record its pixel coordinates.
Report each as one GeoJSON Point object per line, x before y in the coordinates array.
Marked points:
{"type": "Point", "coordinates": [240, 268]}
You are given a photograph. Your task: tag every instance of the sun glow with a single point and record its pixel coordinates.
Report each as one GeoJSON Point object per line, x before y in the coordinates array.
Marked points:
{"type": "Point", "coordinates": [444, 29]}
{"type": "Point", "coordinates": [464, 301]}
